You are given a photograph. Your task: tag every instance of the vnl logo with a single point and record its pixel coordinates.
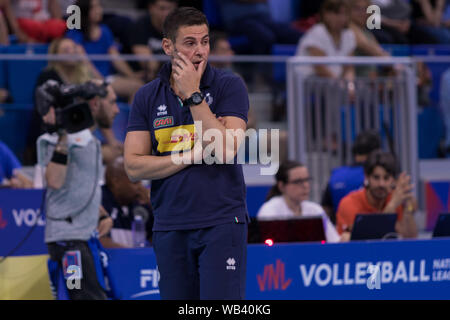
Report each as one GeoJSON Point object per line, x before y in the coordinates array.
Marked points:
{"type": "Point", "coordinates": [273, 277]}
{"type": "Point", "coordinates": [149, 278]}
{"type": "Point", "coordinates": [3, 222]}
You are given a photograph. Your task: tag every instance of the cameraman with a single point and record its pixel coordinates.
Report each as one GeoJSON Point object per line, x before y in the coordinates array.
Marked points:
{"type": "Point", "coordinates": [73, 199]}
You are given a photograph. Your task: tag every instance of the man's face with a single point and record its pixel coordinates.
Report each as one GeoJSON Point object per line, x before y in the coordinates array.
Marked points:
{"type": "Point", "coordinates": [192, 41]}
{"type": "Point", "coordinates": [380, 183]}
{"type": "Point", "coordinates": [159, 11]}
{"type": "Point", "coordinates": [108, 110]}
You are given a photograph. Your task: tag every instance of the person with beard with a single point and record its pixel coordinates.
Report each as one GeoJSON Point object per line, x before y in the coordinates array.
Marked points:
{"type": "Point", "coordinates": [73, 198]}
{"type": "Point", "coordinates": [383, 192]}
{"type": "Point", "coordinates": [123, 200]}
{"type": "Point", "coordinates": [200, 229]}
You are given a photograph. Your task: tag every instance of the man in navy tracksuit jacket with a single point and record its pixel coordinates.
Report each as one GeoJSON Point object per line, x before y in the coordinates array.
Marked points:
{"type": "Point", "coordinates": [200, 228]}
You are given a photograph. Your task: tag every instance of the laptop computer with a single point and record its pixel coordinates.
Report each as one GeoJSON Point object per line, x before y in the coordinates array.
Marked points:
{"type": "Point", "coordinates": [374, 226]}
{"type": "Point", "coordinates": [302, 229]}
{"type": "Point", "coordinates": [442, 228]}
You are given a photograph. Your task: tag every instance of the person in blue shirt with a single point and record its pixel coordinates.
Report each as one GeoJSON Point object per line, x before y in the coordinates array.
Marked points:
{"type": "Point", "coordinates": [200, 212]}
{"type": "Point", "coordinates": [10, 176]}
{"type": "Point", "coordinates": [345, 179]}
{"type": "Point", "coordinates": [97, 38]}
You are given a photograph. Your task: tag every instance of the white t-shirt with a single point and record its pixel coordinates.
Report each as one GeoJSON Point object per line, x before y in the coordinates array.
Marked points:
{"type": "Point", "coordinates": [276, 208]}
{"type": "Point", "coordinates": [319, 37]}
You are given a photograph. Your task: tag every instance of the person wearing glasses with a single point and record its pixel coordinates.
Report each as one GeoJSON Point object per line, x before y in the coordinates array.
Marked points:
{"type": "Point", "coordinates": [289, 196]}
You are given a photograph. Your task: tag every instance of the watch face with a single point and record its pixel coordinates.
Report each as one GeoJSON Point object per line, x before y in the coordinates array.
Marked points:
{"type": "Point", "coordinates": [197, 98]}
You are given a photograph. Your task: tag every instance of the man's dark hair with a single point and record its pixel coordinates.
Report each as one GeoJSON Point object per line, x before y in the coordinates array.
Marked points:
{"type": "Point", "coordinates": [216, 36]}
{"type": "Point", "coordinates": [182, 17]}
{"type": "Point", "coordinates": [366, 142]}
{"type": "Point", "coordinates": [379, 158]}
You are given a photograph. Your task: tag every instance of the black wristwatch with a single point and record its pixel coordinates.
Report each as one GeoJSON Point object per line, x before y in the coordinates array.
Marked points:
{"type": "Point", "coordinates": [194, 100]}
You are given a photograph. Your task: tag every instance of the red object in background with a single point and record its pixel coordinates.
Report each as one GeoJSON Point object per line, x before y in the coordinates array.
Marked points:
{"type": "Point", "coordinates": [3, 222]}
{"type": "Point", "coordinates": [43, 31]}
{"type": "Point", "coordinates": [437, 201]}
{"type": "Point", "coordinates": [269, 242]}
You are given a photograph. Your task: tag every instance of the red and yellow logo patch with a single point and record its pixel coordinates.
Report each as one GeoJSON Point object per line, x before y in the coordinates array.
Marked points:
{"type": "Point", "coordinates": [163, 122]}
{"type": "Point", "coordinates": [176, 138]}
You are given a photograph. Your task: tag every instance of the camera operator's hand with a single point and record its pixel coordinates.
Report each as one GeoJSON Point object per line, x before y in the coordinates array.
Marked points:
{"type": "Point", "coordinates": [50, 118]}
{"type": "Point", "coordinates": [105, 222]}
{"type": "Point", "coordinates": [104, 226]}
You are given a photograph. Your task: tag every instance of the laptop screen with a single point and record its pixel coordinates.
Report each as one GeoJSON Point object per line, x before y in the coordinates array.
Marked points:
{"type": "Point", "coordinates": [301, 229]}
{"type": "Point", "coordinates": [442, 228]}
{"type": "Point", "coordinates": [374, 226]}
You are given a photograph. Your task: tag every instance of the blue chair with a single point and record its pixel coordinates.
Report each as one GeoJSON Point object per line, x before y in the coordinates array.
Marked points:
{"type": "Point", "coordinates": [283, 10]}
{"type": "Point", "coordinates": [397, 50]}
{"type": "Point", "coordinates": [212, 12]}
{"type": "Point", "coordinates": [431, 130]}
{"type": "Point", "coordinates": [22, 75]}
{"type": "Point", "coordinates": [279, 68]}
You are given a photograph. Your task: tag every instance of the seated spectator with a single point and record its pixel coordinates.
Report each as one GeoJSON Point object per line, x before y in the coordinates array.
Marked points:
{"type": "Point", "coordinates": [34, 20]}
{"type": "Point", "coordinates": [445, 109]}
{"type": "Point", "coordinates": [123, 199]}
{"type": "Point", "coordinates": [429, 16]}
{"type": "Point", "coordinates": [10, 175]}
{"type": "Point", "coordinates": [331, 37]}
{"type": "Point", "coordinates": [220, 46]}
{"type": "Point", "coordinates": [366, 43]}
{"type": "Point", "coordinates": [254, 20]}
{"type": "Point", "coordinates": [345, 179]}
{"type": "Point", "coordinates": [147, 33]}
{"type": "Point", "coordinates": [96, 38]}
{"type": "Point", "coordinates": [67, 71]}
{"type": "Point", "coordinates": [383, 192]}
{"type": "Point", "coordinates": [288, 198]}
{"type": "Point", "coordinates": [63, 72]}
{"type": "Point", "coordinates": [395, 21]}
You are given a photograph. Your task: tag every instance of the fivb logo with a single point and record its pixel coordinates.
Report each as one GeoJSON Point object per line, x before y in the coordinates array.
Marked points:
{"type": "Point", "coordinates": [149, 275]}
{"type": "Point", "coordinates": [148, 278]}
